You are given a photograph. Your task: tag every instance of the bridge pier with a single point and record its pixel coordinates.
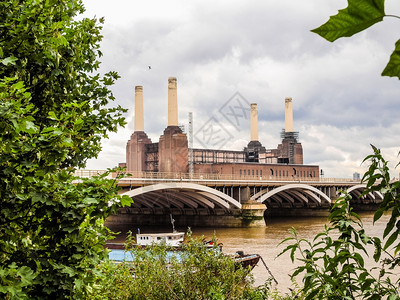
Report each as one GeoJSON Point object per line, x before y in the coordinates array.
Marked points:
{"type": "Point", "coordinates": [252, 214]}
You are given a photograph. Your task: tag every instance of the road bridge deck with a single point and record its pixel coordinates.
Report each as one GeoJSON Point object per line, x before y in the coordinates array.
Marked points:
{"type": "Point", "coordinates": [215, 195]}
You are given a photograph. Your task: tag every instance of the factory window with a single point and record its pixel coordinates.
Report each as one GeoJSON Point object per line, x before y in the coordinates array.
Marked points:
{"type": "Point", "coordinates": [280, 173]}
{"type": "Point", "coordinates": [287, 173]}
{"type": "Point", "coordinates": [256, 172]}
{"type": "Point", "coordinates": [272, 172]}
{"type": "Point", "coordinates": [252, 172]}
{"type": "Point", "coordinates": [248, 172]}
{"type": "Point", "coordinates": [294, 171]}
{"type": "Point", "coordinates": [260, 172]}
{"type": "Point", "coordinates": [313, 173]}
{"type": "Point", "coordinates": [240, 172]}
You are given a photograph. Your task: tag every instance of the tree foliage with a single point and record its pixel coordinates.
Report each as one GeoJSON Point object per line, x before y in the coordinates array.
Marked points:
{"type": "Point", "coordinates": [378, 179]}
{"type": "Point", "coordinates": [158, 272]}
{"type": "Point", "coordinates": [333, 264]}
{"type": "Point", "coordinates": [356, 17]}
{"type": "Point", "coordinates": [54, 110]}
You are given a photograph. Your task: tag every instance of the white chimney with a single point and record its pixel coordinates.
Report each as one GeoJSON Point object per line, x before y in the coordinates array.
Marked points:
{"type": "Point", "coordinates": [139, 120]}
{"type": "Point", "coordinates": [288, 115]}
{"type": "Point", "coordinates": [253, 122]}
{"type": "Point", "coordinates": [172, 102]}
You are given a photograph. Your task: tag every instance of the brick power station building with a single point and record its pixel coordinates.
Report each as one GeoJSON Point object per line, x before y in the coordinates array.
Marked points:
{"type": "Point", "coordinates": [171, 153]}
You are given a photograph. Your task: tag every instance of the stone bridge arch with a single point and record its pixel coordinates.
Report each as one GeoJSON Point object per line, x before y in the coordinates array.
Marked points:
{"type": "Point", "coordinates": [181, 197]}
{"type": "Point", "coordinates": [356, 192]}
{"type": "Point", "coordinates": [293, 195]}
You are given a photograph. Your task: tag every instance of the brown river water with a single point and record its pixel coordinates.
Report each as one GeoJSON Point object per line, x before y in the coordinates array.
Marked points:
{"type": "Point", "coordinates": [265, 241]}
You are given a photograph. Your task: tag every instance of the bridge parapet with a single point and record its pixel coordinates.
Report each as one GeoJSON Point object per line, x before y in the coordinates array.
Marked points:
{"type": "Point", "coordinates": [203, 177]}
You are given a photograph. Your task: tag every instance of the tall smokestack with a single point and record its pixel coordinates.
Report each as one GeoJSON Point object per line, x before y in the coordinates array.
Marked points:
{"type": "Point", "coordinates": [139, 122]}
{"type": "Point", "coordinates": [288, 115]}
{"type": "Point", "coordinates": [172, 102]}
{"type": "Point", "coordinates": [253, 122]}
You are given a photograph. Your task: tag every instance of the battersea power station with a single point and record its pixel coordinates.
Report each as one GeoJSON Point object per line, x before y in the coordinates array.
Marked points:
{"type": "Point", "coordinates": [171, 153]}
{"type": "Point", "coordinates": [173, 182]}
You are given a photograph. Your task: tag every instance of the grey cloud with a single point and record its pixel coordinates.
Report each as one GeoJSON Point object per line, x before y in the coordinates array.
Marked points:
{"type": "Point", "coordinates": [265, 51]}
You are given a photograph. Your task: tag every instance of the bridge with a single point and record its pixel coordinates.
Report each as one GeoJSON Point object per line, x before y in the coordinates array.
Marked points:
{"type": "Point", "coordinates": [228, 200]}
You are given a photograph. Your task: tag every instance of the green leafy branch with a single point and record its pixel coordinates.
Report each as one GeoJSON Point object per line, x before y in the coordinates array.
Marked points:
{"type": "Point", "coordinates": [378, 180]}
{"type": "Point", "coordinates": [356, 17]}
{"type": "Point", "coordinates": [333, 265]}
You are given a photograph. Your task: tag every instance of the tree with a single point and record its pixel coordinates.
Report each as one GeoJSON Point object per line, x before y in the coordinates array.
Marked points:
{"type": "Point", "coordinates": [54, 111]}
{"type": "Point", "coordinates": [158, 272]}
{"type": "Point", "coordinates": [332, 265]}
{"type": "Point", "coordinates": [356, 17]}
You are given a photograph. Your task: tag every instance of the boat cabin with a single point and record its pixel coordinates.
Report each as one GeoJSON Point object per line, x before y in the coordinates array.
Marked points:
{"type": "Point", "coordinates": [173, 239]}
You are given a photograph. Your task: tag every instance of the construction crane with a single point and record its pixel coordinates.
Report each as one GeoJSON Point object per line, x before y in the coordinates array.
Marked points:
{"type": "Point", "coordinates": [191, 144]}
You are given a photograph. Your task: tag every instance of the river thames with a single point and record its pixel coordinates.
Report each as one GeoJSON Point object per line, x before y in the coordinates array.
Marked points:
{"type": "Point", "coordinates": [265, 241]}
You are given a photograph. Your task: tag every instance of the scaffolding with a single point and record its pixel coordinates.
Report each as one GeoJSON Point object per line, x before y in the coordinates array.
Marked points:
{"type": "Point", "coordinates": [151, 159]}
{"type": "Point", "coordinates": [292, 138]}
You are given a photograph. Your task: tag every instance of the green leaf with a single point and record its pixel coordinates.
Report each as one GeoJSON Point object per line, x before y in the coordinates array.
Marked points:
{"type": "Point", "coordinates": [392, 69]}
{"type": "Point", "coordinates": [287, 249]}
{"type": "Point", "coordinates": [68, 270]}
{"type": "Point", "coordinates": [9, 60]}
{"type": "Point", "coordinates": [391, 239]}
{"type": "Point", "coordinates": [26, 275]}
{"type": "Point", "coordinates": [378, 214]}
{"type": "Point", "coordinates": [389, 226]}
{"type": "Point", "coordinates": [126, 200]}
{"type": "Point", "coordinates": [53, 116]}
{"type": "Point", "coordinates": [359, 15]}
{"type": "Point", "coordinates": [30, 127]}
{"type": "Point", "coordinates": [292, 252]}
{"type": "Point", "coordinates": [89, 200]}
{"type": "Point", "coordinates": [378, 249]}
{"type": "Point", "coordinates": [18, 85]}
{"type": "Point", "coordinates": [359, 259]}
{"type": "Point", "coordinates": [67, 142]}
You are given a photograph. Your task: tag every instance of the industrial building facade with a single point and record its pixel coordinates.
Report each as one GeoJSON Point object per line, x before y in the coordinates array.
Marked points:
{"type": "Point", "coordinates": [171, 153]}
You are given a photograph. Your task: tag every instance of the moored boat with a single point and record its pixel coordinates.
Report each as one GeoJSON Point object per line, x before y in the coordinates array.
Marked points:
{"type": "Point", "coordinates": [173, 239]}
{"type": "Point", "coordinates": [170, 239]}
{"type": "Point", "coordinates": [246, 260]}
{"type": "Point", "coordinates": [174, 242]}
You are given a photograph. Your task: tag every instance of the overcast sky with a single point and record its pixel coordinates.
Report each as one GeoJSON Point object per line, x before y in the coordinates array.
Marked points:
{"type": "Point", "coordinates": [228, 53]}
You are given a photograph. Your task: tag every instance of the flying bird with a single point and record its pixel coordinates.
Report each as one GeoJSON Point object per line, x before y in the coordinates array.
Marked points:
{"type": "Point", "coordinates": [149, 67]}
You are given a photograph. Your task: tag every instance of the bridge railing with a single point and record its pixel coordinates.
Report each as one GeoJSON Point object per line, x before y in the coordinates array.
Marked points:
{"type": "Point", "coordinates": [207, 177]}
{"type": "Point", "coordinates": [90, 173]}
